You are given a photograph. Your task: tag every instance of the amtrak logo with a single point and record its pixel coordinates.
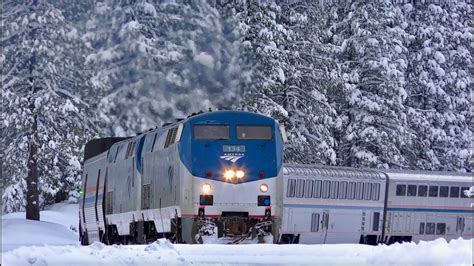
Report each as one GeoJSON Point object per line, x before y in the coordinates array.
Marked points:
{"type": "Point", "coordinates": [231, 158]}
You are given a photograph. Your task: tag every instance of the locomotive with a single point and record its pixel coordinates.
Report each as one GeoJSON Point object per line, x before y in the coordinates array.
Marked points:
{"type": "Point", "coordinates": [214, 176]}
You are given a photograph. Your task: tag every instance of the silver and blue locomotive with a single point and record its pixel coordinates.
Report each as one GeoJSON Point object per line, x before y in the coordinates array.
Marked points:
{"type": "Point", "coordinates": [215, 176]}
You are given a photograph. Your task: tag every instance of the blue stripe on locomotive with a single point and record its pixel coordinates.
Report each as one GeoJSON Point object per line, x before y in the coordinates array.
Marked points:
{"type": "Point", "coordinates": [202, 156]}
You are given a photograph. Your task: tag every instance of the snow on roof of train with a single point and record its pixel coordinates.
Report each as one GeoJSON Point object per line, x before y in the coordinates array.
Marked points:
{"type": "Point", "coordinates": [428, 175]}
{"type": "Point", "coordinates": [330, 171]}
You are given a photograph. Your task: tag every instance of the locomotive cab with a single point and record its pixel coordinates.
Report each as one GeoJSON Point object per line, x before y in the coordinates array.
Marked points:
{"type": "Point", "coordinates": [234, 163]}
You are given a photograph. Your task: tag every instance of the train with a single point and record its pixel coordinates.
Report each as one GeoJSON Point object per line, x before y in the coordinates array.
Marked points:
{"type": "Point", "coordinates": [215, 176]}
{"type": "Point", "coordinates": [220, 177]}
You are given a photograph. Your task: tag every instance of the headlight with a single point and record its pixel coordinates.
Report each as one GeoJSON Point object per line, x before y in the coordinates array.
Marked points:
{"type": "Point", "coordinates": [229, 174]}
{"type": "Point", "coordinates": [240, 174]}
{"type": "Point", "coordinates": [206, 188]}
{"type": "Point", "coordinates": [263, 188]}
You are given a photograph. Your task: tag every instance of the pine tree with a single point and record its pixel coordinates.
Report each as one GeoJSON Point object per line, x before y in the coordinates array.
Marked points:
{"type": "Point", "coordinates": [47, 120]}
{"type": "Point", "coordinates": [288, 72]}
{"type": "Point", "coordinates": [373, 63]}
{"type": "Point", "coordinates": [161, 61]}
{"type": "Point", "coordinates": [439, 84]}
{"type": "Point", "coordinates": [312, 77]}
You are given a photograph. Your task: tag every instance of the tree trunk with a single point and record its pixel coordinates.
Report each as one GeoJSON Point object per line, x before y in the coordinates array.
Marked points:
{"type": "Point", "coordinates": [32, 194]}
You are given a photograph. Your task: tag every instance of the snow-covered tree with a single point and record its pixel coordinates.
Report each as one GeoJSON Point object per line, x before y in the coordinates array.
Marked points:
{"type": "Point", "coordinates": [291, 74]}
{"type": "Point", "coordinates": [46, 118]}
{"type": "Point", "coordinates": [161, 61]}
{"type": "Point", "coordinates": [371, 105]}
{"type": "Point", "coordinates": [438, 105]}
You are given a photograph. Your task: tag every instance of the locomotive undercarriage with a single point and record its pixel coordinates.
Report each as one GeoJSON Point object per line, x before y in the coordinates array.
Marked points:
{"type": "Point", "coordinates": [224, 230]}
{"type": "Point", "coordinates": [232, 230]}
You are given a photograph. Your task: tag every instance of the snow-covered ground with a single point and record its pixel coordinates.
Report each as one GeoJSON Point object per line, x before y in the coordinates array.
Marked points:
{"type": "Point", "coordinates": [53, 241]}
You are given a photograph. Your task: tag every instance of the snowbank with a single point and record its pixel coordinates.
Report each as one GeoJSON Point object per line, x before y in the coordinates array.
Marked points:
{"type": "Point", "coordinates": [158, 253]}
{"type": "Point", "coordinates": [58, 226]}
{"type": "Point", "coordinates": [60, 213]}
{"type": "Point", "coordinates": [162, 252]}
{"type": "Point", "coordinates": [52, 242]}
{"type": "Point", "coordinates": [21, 232]}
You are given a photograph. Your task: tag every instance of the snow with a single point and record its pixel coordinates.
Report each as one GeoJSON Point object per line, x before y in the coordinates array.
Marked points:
{"type": "Point", "coordinates": [398, 49]}
{"type": "Point", "coordinates": [63, 214]}
{"type": "Point", "coordinates": [281, 75]}
{"type": "Point", "coordinates": [205, 59]}
{"type": "Point", "coordinates": [50, 242]}
{"type": "Point", "coordinates": [74, 162]}
{"type": "Point", "coordinates": [73, 34]}
{"type": "Point", "coordinates": [69, 107]}
{"type": "Point", "coordinates": [20, 232]}
{"type": "Point", "coordinates": [132, 26]}
{"type": "Point", "coordinates": [469, 192]}
{"type": "Point", "coordinates": [149, 9]}
{"type": "Point", "coordinates": [438, 252]}
{"type": "Point", "coordinates": [439, 71]}
{"type": "Point", "coordinates": [440, 57]}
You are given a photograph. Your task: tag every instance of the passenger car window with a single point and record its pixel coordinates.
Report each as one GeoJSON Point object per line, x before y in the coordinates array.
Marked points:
{"type": "Point", "coordinates": [342, 190]}
{"type": "Point", "coordinates": [443, 191]}
{"type": "Point", "coordinates": [422, 191]}
{"type": "Point", "coordinates": [376, 221]}
{"type": "Point", "coordinates": [300, 188]}
{"type": "Point", "coordinates": [401, 190]}
{"type": "Point", "coordinates": [454, 192]}
{"type": "Point", "coordinates": [211, 132]}
{"type": "Point", "coordinates": [440, 228]}
{"type": "Point", "coordinates": [254, 132]}
{"type": "Point", "coordinates": [308, 188]}
{"type": "Point", "coordinates": [290, 193]}
{"type": "Point", "coordinates": [326, 189]}
{"type": "Point", "coordinates": [422, 228]}
{"type": "Point", "coordinates": [411, 190]}
{"type": "Point", "coordinates": [367, 191]}
{"type": "Point", "coordinates": [351, 190]}
{"type": "Point", "coordinates": [359, 190]}
{"type": "Point", "coordinates": [433, 192]}
{"type": "Point", "coordinates": [376, 192]}
{"type": "Point", "coordinates": [430, 228]}
{"type": "Point", "coordinates": [334, 189]}
{"type": "Point", "coordinates": [314, 222]}
{"type": "Point", "coordinates": [317, 189]}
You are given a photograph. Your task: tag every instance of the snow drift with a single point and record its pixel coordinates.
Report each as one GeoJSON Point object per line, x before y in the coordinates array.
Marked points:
{"type": "Point", "coordinates": [54, 242]}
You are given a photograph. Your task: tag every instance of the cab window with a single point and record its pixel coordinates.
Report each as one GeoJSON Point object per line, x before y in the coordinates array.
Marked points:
{"type": "Point", "coordinates": [254, 132]}
{"type": "Point", "coordinates": [211, 132]}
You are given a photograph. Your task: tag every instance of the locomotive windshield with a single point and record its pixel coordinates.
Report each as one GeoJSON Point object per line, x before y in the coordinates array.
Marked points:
{"type": "Point", "coordinates": [208, 132]}
{"type": "Point", "coordinates": [254, 132]}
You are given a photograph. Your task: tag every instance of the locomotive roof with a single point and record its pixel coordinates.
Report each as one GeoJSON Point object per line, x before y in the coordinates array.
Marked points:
{"type": "Point", "coordinates": [226, 114]}
{"type": "Point", "coordinates": [330, 171]}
